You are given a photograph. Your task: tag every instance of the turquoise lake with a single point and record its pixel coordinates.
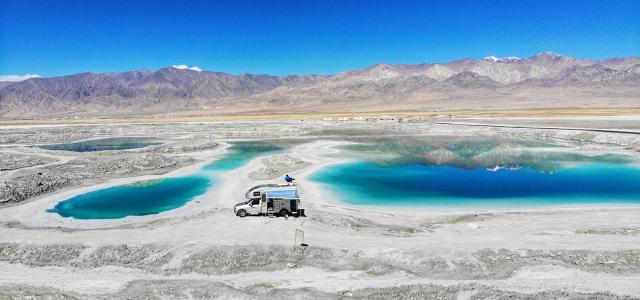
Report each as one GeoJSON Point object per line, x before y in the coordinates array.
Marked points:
{"type": "Point", "coordinates": [365, 183]}
{"type": "Point", "coordinates": [478, 172]}
{"type": "Point", "coordinates": [409, 171]}
{"type": "Point", "coordinates": [123, 143]}
{"type": "Point", "coordinates": [155, 196]}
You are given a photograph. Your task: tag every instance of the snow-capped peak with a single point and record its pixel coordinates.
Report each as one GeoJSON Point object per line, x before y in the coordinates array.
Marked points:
{"type": "Point", "coordinates": [185, 67]}
{"type": "Point", "coordinates": [547, 54]}
{"type": "Point", "coordinates": [512, 58]}
{"type": "Point", "coordinates": [491, 58]}
{"type": "Point", "coordinates": [504, 59]}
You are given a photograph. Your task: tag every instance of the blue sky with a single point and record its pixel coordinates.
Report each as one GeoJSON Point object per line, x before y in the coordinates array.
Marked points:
{"type": "Point", "coordinates": [53, 38]}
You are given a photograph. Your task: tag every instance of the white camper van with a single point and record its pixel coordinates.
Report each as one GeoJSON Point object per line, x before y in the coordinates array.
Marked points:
{"type": "Point", "coordinates": [270, 199]}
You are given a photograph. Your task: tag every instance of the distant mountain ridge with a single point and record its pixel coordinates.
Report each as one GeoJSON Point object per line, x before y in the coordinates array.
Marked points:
{"type": "Point", "coordinates": [539, 81]}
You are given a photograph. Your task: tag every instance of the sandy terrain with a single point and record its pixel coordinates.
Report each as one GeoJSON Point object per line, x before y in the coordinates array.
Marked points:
{"type": "Point", "coordinates": [201, 250]}
{"type": "Point", "coordinates": [279, 116]}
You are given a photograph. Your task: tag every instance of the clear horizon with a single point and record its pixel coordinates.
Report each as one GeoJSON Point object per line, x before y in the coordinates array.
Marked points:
{"type": "Point", "coordinates": [282, 38]}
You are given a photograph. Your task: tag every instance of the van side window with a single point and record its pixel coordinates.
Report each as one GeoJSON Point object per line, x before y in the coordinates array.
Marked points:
{"type": "Point", "coordinates": [256, 193]}
{"type": "Point", "coordinates": [255, 201]}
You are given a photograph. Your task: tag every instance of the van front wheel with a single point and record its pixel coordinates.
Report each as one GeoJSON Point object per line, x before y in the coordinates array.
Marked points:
{"type": "Point", "coordinates": [242, 213]}
{"type": "Point", "coordinates": [284, 212]}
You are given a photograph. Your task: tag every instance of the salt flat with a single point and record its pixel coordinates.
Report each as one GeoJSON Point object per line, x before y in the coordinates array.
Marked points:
{"type": "Point", "coordinates": [202, 250]}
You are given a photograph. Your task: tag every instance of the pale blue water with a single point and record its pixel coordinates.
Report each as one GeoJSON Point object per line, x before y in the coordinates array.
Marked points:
{"type": "Point", "coordinates": [366, 183]}
{"type": "Point", "coordinates": [155, 196]}
{"type": "Point", "coordinates": [123, 143]}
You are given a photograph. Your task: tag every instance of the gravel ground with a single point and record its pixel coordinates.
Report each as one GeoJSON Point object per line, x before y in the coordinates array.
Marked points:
{"type": "Point", "coordinates": [277, 166]}
{"type": "Point", "coordinates": [483, 264]}
{"type": "Point", "coordinates": [14, 161]}
{"type": "Point", "coordinates": [191, 289]}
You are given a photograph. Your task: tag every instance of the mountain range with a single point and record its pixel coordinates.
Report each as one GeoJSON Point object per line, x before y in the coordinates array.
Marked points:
{"type": "Point", "coordinates": [546, 80]}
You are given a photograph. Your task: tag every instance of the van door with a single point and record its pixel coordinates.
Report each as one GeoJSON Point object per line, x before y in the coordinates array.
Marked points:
{"type": "Point", "coordinates": [269, 205]}
{"type": "Point", "coordinates": [254, 206]}
{"type": "Point", "coordinates": [263, 204]}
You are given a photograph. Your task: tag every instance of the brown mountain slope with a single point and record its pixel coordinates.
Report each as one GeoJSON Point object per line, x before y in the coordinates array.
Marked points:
{"type": "Point", "coordinates": [545, 80]}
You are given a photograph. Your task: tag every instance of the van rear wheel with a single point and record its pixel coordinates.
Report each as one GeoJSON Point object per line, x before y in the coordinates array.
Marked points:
{"type": "Point", "coordinates": [284, 212]}
{"type": "Point", "coordinates": [242, 213]}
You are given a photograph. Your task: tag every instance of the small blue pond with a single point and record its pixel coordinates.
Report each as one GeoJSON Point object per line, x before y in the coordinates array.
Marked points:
{"type": "Point", "coordinates": [367, 183]}
{"type": "Point", "coordinates": [121, 143]}
{"type": "Point", "coordinates": [139, 199]}
{"type": "Point", "coordinates": [155, 196]}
